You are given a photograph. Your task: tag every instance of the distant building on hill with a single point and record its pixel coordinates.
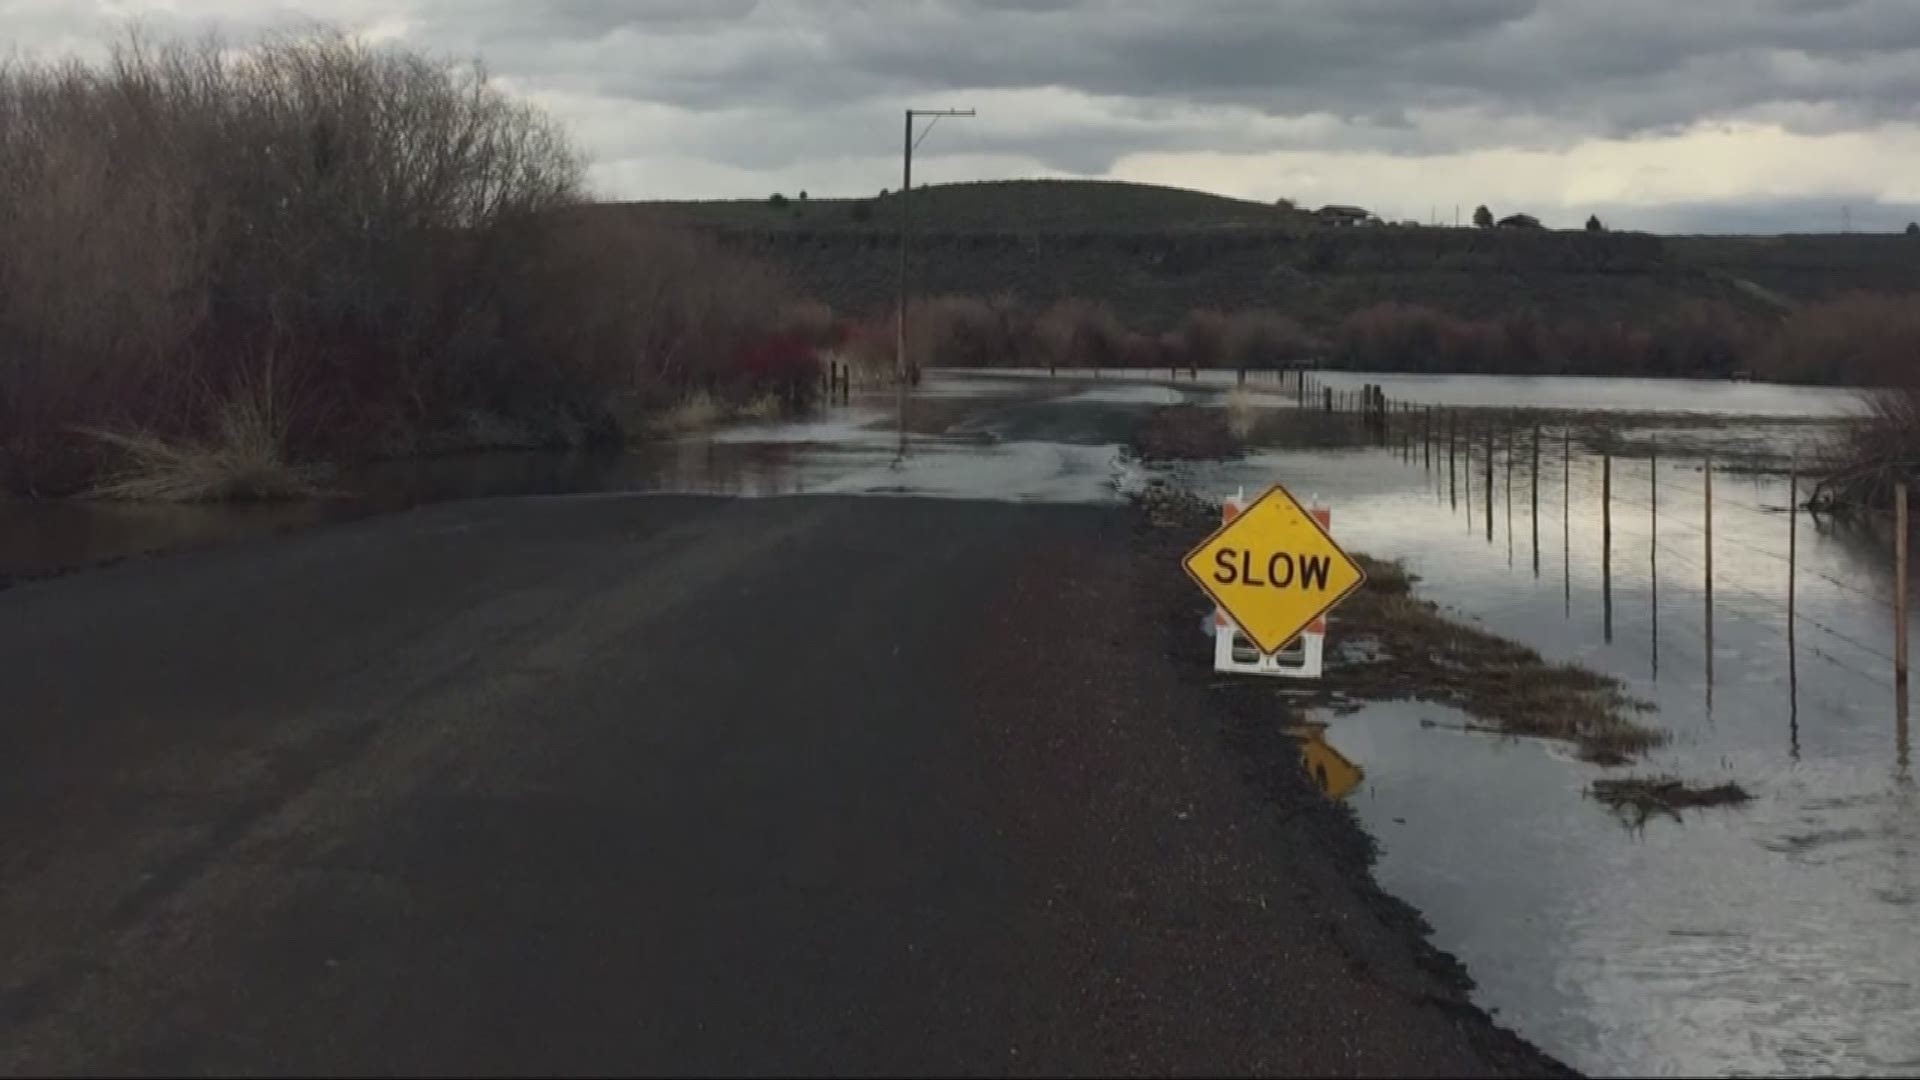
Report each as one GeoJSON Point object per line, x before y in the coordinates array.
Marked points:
{"type": "Point", "coordinates": [1521, 221]}
{"type": "Point", "coordinates": [1344, 217]}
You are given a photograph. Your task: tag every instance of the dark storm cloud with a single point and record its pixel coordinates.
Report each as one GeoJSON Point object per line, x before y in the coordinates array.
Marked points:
{"type": "Point", "coordinates": [1595, 66]}
{"type": "Point", "coordinates": [751, 91]}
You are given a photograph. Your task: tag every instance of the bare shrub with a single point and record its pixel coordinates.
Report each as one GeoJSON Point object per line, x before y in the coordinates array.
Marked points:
{"type": "Point", "coordinates": [406, 241]}
{"type": "Point", "coordinates": [1873, 454]}
{"type": "Point", "coordinates": [1864, 339]}
{"type": "Point", "coordinates": [810, 319]}
{"type": "Point", "coordinates": [645, 308]}
{"type": "Point", "coordinates": [869, 354]}
{"type": "Point", "coordinates": [1262, 338]}
{"type": "Point", "coordinates": [1080, 333]}
{"type": "Point", "coordinates": [1203, 338]}
{"type": "Point", "coordinates": [951, 331]}
{"type": "Point", "coordinates": [1141, 351]}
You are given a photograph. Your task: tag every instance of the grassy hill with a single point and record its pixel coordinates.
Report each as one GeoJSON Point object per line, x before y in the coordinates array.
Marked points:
{"type": "Point", "coordinates": [1154, 253]}
{"type": "Point", "coordinates": [998, 206]}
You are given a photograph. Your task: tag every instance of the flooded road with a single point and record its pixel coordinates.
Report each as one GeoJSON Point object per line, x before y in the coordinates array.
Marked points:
{"type": "Point", "coordinates": [996, 439]}
{"type": "Point", "coordinates": [1773, 938]}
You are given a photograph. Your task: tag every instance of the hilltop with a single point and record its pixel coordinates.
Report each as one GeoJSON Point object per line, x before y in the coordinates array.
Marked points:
{"type": "Point", "coordinates": [995, 206]}
{"type": "Point", "coordinates": [1154, 253]}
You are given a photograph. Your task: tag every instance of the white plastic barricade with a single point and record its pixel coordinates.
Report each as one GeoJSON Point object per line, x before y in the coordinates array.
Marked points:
{"type": "Point", "coordinates": [1302, 658]}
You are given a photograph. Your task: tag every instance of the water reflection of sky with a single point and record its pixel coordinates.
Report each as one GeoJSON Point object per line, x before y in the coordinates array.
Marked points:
{"type": "Point", "coordinates": [1706, 396]}
{"type": "Point", "coordinates": [1775, 938]}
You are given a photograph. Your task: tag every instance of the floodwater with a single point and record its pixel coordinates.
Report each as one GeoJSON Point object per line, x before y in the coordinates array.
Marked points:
{"type": "Point", "coordinates": [1696, 396]}
{"type": "Point", "coordinates": [1774, 938]}
{"type": "Point", "coordinates": [997, 452]}
{"type": "Point", "coordinates": [1778, 937]}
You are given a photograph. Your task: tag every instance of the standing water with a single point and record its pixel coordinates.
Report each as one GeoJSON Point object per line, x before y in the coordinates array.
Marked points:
{"type": "Point", "coordinates": [1775, 937]}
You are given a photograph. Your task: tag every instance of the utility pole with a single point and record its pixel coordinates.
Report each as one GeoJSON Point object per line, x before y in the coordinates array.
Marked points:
{"type": "Point", "coordinates": [907, 146]}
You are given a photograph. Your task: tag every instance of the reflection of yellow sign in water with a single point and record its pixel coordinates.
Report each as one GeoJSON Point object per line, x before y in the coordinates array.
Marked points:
{"type": "Point", "coordinates": [1274, 570]}
{"type": "Point", "coordinates": [1329, 767]}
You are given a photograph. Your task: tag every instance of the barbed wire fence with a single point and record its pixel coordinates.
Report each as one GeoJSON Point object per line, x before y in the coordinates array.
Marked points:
{"type": "Point", "coordinates": [1468, 453]}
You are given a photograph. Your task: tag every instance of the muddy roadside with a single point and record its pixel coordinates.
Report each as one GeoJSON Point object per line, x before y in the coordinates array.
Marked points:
{"type": "Point", "coordinates": [1326, 854]}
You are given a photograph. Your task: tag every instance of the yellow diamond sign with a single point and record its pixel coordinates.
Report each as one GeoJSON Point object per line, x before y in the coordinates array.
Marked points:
{"type": "Point", "coordinates": [1274, 570]}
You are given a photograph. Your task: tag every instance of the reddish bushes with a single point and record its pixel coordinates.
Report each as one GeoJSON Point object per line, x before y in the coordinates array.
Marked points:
{"type": "Point", "coordinates": [1081, 334]}
{"type": "Point", "coordinates": [386, 244]}
{"type": "Point", "coordinates": [1694, 340]}
{"type": "Point", "coordinates": [1862, 339]}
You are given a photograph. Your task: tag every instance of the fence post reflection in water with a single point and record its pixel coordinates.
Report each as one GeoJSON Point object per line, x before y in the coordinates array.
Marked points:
{"type": "Point", "coordinates": [1566, 515]}
{"type": "Point", "coordinates": [1535, 494]}
{"type": "Point", "coordinates": [1606, 542]}
{"type": "Point", "coordinates": [1453, 480]}
{"type": "Point", "coordinates": [1490, 452]}
{"type": "Point", "coordinates": [1463, 441]}
{"type": "Point", "coordinates": [1466, 475]}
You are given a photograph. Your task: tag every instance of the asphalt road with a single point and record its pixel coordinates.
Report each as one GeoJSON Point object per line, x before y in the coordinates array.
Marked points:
{"type": "Point", "coordinates": [666, 784]}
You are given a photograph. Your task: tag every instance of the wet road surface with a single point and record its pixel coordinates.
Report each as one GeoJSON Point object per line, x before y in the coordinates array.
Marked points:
{"type": "Point", "coordinates": [665, 784]}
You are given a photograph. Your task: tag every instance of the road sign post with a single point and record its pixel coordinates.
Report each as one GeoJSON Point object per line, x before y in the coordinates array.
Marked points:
{"type": "Point", "coordinates": [1274, 570]}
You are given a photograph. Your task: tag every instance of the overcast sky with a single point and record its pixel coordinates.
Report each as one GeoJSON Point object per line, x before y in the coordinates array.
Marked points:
{"type": "Point", "coordinates": [1671, 115]}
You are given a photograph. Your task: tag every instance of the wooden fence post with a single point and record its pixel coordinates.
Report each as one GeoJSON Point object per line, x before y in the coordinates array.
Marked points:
{"type": "Point", "coordinates": [1793, 576]}
{"type": "Point", "coordinates": [1707, 490]}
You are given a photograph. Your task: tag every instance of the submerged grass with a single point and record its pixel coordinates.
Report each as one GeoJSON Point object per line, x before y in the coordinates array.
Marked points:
{"type": "Point", "coordinates": [1186, 433]}
{"type": "Point", "coordinates": [1641, 797]}
{"type": "Point", "coordinates": [245, 461]}
{"type": "Point", "coordinates": [1411, 651]}
{"type": "Point", "coordinates": [1422, 654]}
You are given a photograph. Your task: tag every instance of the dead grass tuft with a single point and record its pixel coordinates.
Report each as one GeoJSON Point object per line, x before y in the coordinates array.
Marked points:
{"type": "Point", "coordinates": [1424, 655]}
{"type": "Point", "coordinates": [1642, 797]}
{"type": "Point", "coordinates": [697, 411]}
{"type": "Point", "coordinates": [764, 407]}
{"type": "Point", "coordinates": [246, 461]}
